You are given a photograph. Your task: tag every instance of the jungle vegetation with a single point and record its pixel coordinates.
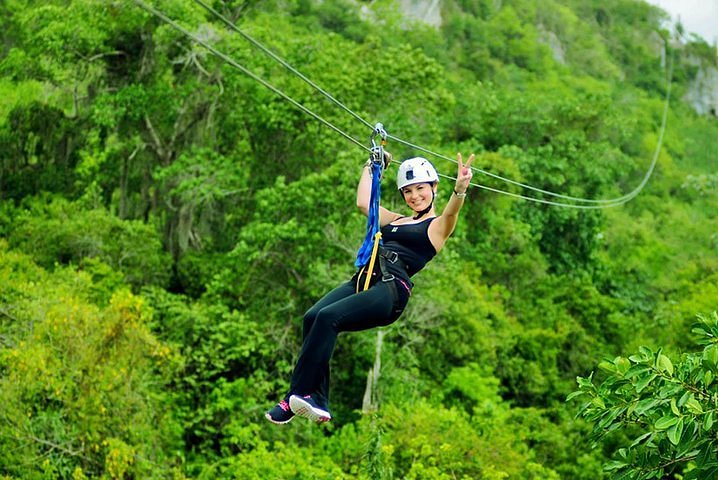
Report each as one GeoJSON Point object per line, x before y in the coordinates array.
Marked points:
{"type": "Point", "coordinates": [165, 221]}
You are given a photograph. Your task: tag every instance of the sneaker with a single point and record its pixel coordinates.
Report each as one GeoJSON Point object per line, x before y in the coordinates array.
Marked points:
{"type": "Point", "coordinates": [281, 413]}
{"type": "Point", "coordinates": [306, 407]}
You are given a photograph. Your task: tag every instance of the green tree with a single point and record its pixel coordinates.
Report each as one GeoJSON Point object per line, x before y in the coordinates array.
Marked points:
{"type": "Point", "coordinates": [78, 380]}
{"type": "Point", "coordinates": [54, 230]}
{"type": "Point", "coordinates": [666, 410]}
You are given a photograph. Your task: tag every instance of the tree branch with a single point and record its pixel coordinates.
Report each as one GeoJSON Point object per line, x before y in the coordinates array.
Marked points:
{"type": "Point", "coordinates": [158, 147]}
{"type": "Point", "coordinates": [8, 315]}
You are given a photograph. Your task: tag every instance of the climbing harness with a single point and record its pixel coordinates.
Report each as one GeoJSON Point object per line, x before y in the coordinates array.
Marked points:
{"type": "Point", "coordinates": [366, 276]}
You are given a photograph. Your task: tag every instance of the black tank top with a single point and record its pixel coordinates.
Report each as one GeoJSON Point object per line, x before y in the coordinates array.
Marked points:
{"type": "Point", "coordinates": [411, 242]}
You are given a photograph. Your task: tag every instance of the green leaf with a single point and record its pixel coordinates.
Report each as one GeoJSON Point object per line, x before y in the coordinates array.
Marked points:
{"type": "Point", "coordinates": [614, 465]}
{"type": "Point", "coordinates": [664, 422]}
{"type": "Point", "coordinates": [607, 421]}
{"type": "Point", "coordinates": [674, 407]}
{"type": "Point", "coordinates": [643, 382]}
{"type": "Point", "coordinates": [710, 356]}
{"type": "Point", "coordinates": [585, 382]}
{"type": "Point", "coordinates": [705, 457]}
{"type": "Point", "coordinates": [640, 439]}
{"type": "Point", "coordinates": [664, 364]}
{"type": "Point", "coordinates": [694, 406]}
{"type": "Point", "coordinates": [575, 394]}
{"type": "Point", "coordinates": [675, 432]}
{"type": "Point", "coordinates": [708, 471]}
{"type": "Point", "coordinates": [645, 351]}
{"type": "Point", "coordinates": [669, 390]}
{"type": "Point", "coordinates": [700, 331]}
{"type": "Point", "coordinates": [607, 366]}
{"type": "Point", "coordinates": [708, 421]}
{"type": "Point", "coordinates": [622, 364]}
{"type": "Point", "coordinates": [646, 404]}
{"type": "Point", "coordinates": [631, 408]}
{"type": "Point", "coordinates": [636, 370]}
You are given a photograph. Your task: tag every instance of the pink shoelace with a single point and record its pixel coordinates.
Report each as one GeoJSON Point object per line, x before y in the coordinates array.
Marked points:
{"type": "Point", "coordinates": [284, 405]}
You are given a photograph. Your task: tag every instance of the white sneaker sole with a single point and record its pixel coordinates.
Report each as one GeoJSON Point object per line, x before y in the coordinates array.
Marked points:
{"type": "Point", "coordinates": [304, 409]}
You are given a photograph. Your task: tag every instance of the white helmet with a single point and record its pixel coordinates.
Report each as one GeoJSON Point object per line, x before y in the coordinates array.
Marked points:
{"type": "Point", "coordinates": [415, 170]}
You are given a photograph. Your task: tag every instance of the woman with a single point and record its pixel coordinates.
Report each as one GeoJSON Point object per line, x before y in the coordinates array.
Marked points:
{"type": "Point", "coordinates": [408, 244]}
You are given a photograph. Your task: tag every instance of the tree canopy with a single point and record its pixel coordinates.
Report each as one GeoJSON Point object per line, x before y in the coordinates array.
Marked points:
{"type": "Point", "coordinates": [165, 221]}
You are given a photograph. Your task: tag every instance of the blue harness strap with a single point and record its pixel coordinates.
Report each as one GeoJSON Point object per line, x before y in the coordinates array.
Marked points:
{"type": "Point", "coordinates": [372, 222]}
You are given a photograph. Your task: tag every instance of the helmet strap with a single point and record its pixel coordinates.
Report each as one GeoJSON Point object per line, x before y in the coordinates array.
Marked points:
{"type": "Point", "coordinates": [427, 209]}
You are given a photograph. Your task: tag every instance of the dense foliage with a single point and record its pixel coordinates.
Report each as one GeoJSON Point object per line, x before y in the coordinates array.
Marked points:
{"type": "Point", "coordinates": [165, 220]}
{"type": "Point", "coordinates": [672, 406]}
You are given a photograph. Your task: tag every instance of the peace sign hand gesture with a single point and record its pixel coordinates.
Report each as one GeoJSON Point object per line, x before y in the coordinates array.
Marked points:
{"type": "Point", "coordinates": [463, 177]}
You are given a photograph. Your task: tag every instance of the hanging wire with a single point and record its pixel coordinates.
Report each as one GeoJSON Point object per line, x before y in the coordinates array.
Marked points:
{"type": "Point", "coordinates": [598, 203]}
{"type": "Point", "coordinates": [602, 203]}
{"type": "Point", "coordinates": [281, 61]}
{"type": "Point", "coordinates": [607, 202]}
{"type": "Point", "coordinates": [246, 71]}
{"type": "Point", "coordinates": [507, 180]}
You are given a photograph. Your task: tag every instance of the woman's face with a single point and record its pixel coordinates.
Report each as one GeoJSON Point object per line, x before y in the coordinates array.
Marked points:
{"type": "Point", "coordinates": [418, 196]}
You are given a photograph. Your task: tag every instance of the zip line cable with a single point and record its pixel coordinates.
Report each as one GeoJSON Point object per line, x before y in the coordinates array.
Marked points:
{"type": "Point", "coordinates": [280, 60]}
{"type": "Point", "coordinates": [607, 203]}
{"type": "Point", "coordinates": [293, 70]}
{"type": "Point", "coordinates": [507, 180]}
{"type": "Point", "coordinates": [599, 203]}
{"type": "Point", "coordinates": [246, 71]}
{"type": "Point", "coordinates": [618, 200]}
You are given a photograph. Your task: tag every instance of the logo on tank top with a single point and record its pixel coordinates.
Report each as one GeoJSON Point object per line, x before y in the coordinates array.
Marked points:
{"type": "Point", "coordinates": [394, 229]}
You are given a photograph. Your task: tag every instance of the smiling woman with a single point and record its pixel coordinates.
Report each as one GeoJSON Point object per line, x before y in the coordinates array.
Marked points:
{"type": "Point", "coordinates": [417, 179]}
{"type": "Point", "coordinates": [410, 242]}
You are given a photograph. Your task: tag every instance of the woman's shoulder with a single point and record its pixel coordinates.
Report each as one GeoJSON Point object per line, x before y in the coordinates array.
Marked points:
{"type": "Point", "coordinates": [387, 217]}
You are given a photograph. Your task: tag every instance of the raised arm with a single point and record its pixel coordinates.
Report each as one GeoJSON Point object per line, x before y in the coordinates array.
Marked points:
{"type": "Point", "coordinates": [444, 225]}
{"type": "Point", "coordinates": [364, 195]}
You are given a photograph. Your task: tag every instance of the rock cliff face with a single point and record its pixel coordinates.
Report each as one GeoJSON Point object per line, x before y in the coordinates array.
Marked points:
{"type": "Point", "coordinates": [702, 92]}
{"type": "Point", "coordinates": [550, 39]}
{"type": "Point", "coordinates": [428, 11]}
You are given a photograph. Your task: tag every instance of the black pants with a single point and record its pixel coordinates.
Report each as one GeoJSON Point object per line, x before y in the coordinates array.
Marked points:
{"type": "Point", "coordinates": [341, 310]}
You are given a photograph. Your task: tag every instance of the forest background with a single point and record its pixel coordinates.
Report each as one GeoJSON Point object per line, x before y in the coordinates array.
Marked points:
{"type": "Point", "coordinates": [165, 221]}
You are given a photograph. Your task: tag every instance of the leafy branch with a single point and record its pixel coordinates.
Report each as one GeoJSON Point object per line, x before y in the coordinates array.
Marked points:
{"type": "Point", "coordinates": [673, 403]}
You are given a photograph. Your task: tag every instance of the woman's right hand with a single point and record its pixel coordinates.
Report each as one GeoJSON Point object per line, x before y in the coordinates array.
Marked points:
{"type": "Point", "coordinates": [388, 157]}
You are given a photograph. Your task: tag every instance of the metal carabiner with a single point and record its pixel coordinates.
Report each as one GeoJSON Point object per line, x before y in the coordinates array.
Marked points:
{"type": "Point", "coordinates": [377, 151]}
{"type": "Point", "coordinates": [379, 130]}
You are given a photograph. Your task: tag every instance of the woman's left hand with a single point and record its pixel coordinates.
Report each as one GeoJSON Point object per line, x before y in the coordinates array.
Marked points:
{"type": "Point", "coordinates": [463, 177]}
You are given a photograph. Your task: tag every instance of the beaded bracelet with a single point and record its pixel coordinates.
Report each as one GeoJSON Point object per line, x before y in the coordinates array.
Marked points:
{"type": "Point", "coordinates": [460, 195]}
